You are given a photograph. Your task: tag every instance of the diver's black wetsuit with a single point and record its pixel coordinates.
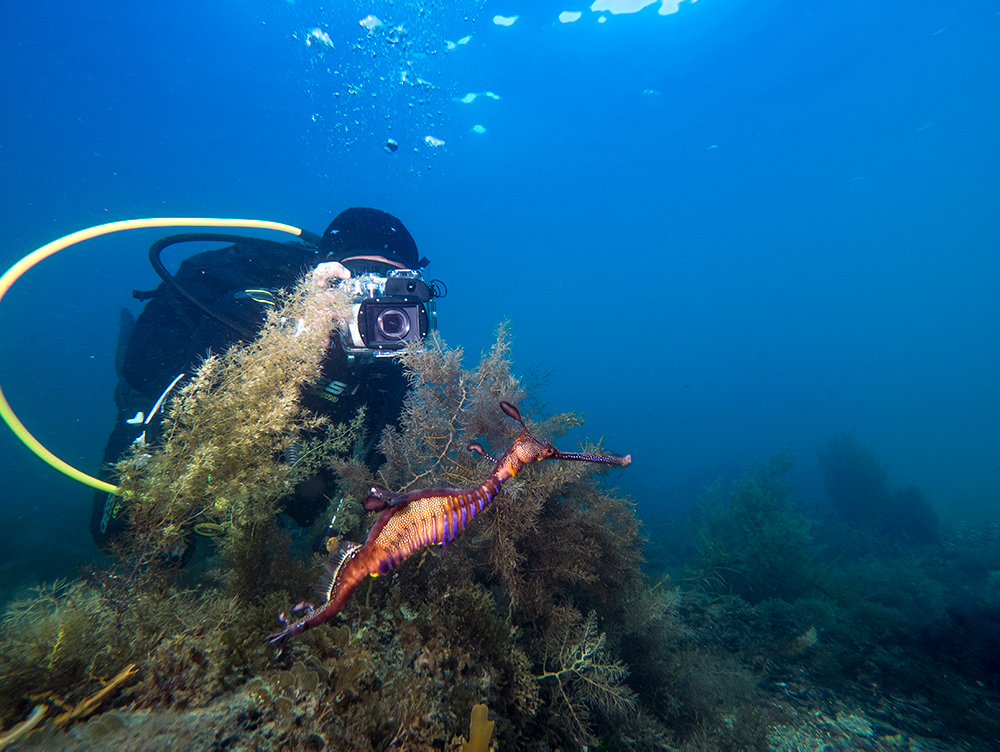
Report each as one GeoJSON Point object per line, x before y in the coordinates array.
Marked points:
{"type": "Point", "coordinates": [172, 335]}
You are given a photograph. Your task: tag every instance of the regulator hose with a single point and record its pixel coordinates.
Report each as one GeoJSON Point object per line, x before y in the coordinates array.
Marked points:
{"type": "Point", "coordinates": [15, 272]}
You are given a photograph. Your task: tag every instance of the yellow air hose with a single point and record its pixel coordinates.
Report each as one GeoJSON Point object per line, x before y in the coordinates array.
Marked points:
{"type": "Point", "coordinates": [15, 272]}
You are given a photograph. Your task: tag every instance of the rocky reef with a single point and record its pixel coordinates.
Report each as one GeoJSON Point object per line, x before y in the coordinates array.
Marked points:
{"type": "Point", "coordinates": [738, 636]}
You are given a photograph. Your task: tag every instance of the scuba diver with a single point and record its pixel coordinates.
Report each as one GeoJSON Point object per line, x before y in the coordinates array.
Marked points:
{"type": "Point", "coordinates": [219, 298]}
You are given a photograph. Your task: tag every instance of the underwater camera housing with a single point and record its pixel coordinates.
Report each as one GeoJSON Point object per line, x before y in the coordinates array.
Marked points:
{"type": "Point", "coordinates": [389, 312]}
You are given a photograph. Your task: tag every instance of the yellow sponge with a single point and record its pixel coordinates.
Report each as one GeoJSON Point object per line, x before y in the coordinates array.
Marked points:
{"type": "Point", "coordinates": [480, 731]}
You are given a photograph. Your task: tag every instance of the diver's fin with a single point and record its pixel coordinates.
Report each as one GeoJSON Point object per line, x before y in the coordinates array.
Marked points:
{"type": "Point", "coordinates": [379, 499]}
{"type": "Point", "coordinates": [331, 567]}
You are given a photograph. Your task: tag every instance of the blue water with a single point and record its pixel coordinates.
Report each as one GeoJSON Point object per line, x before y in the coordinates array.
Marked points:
{"type": "Point", "coordinates": [740, 227]}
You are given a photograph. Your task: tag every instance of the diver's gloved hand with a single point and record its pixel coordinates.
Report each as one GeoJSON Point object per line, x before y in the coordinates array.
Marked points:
{"type": "Point", "coordinates": [329, 270]}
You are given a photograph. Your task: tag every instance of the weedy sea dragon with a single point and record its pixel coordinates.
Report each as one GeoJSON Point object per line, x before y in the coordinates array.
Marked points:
{"type": "Point", "coordinates": [421, 518]}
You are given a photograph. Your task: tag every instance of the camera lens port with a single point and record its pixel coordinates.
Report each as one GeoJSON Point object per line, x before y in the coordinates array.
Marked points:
{"type": "Point", "coordinates": [393, 324]}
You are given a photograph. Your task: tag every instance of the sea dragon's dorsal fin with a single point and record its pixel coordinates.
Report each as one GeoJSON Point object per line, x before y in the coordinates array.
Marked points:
{"type": "Point", "coordinates": [331, 568]}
